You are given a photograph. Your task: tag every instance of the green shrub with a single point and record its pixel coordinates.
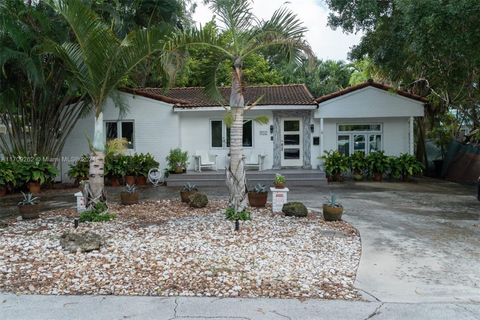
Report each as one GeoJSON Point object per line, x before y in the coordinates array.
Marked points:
{"type": "Point", "coordinates": [395, 169]}
{"type": "Point", "coordinates": [115, 165]}
{"type": "Point", "coordinates": [335, 163]}
{"type": "Point", "coordinates": [295, 209]}
{"type": "Point", "coordinates": [7, 174]}
{"type": "Point", "coordinates": [98, 214]}
{"type": "Point", "coordinates": [409, 166]}
{"type": "Point", "coordinates": [37, 170]}
{"type": "Point", "coordinates": [177, 158]}
{"type": "Point", "coordinates": [79, 170]}
{"type": "Point", "coordinates": [358, 163]}
{"type": "Point", "coordinates": [378, 162]}
{"type": "Point", "coordinates": [233, 215]}
{"type": "Point", "coordinates": [142, 163]}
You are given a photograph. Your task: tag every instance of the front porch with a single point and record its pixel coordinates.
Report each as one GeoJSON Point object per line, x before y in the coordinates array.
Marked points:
{"type": "Point", "coordinates": [294, 177]}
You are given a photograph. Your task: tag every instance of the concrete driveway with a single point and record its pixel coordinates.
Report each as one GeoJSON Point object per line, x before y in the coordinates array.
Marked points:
{"type": "Point", "coordinates": [420, 241]}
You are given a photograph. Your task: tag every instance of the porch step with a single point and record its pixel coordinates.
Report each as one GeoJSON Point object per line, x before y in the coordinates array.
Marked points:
{"type": "Point", "coordinates": [212, 179]}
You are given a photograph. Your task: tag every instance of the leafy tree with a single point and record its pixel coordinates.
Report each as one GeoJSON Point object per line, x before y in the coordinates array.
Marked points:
{"type": "Point", "coordinates": [246, 35]}
{"type": "Point", "coordinates": [39, 102]}
{"type": "Point", "coordinates": [100, 62]}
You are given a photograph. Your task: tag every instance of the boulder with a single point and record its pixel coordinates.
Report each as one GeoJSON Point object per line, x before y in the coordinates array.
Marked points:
{"type": "Point", "coordinates": [198, 200]}
{"type": "Point", "coordinates": [85, 241]}
{"type": "Point", "coordinates": [295, 209]}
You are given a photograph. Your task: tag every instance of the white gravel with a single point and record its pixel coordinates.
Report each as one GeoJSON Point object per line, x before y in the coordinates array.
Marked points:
{"type": "Point", "coordinates": [166, 248]}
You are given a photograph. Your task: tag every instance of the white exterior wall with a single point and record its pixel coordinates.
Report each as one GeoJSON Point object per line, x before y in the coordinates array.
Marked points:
{"type": "Point", "coordinates": [368, 105]}
{"type": "Point", "coordinates": [195, 136]}
{"type": "Point", "coordinates": [394, 135]}
{"type": "Point", "coordinates": [156, 129]}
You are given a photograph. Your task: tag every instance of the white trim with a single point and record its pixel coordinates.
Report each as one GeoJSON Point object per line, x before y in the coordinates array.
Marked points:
{"type": "Point", "coordinates": [352, 135]}
{"type": "Point", "coordinates": [411, 142]}
{"type": "Point", "coordinates": [119, 130]}
{"type": "Point", "coordinates": [265, 107]}
{"type": "Point", "coordinates": [346, 95]}
{"type": "Point", "coordinates": [224, 134]}
{"type": "Point", "coordinates": [322, 142]}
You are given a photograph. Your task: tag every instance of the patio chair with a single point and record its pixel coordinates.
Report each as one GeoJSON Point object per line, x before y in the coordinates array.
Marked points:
{"type": "Point", "coordinates": [205, 160]}
{"type": "Point", "coordinates": [255, 161]}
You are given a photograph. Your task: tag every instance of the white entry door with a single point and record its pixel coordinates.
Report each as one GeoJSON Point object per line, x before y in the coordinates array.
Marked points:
{"type": "Point", "coordinates": [292, 142]}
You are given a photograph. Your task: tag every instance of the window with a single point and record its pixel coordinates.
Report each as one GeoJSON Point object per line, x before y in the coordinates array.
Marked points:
{"type": "Point", "coordinates": [359, 138]}
{"type": "Point", "coordinates": [220, 134]}
{"type": "Point", "coordinates": [120, 129]}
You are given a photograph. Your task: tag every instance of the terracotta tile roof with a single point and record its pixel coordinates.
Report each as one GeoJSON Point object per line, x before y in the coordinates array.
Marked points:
{"type": "Point", "coordinates": [370, 83]}
{"type": "Point", "coordinates": [195, 97]}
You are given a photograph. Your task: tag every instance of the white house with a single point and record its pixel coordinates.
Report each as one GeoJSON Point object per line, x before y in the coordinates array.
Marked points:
{"type": "Point", "coordinates": [365, 117]}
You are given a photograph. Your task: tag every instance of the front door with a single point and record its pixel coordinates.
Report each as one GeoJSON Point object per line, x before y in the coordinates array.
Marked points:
{"type": "Point", "coordinates": [292, 142]}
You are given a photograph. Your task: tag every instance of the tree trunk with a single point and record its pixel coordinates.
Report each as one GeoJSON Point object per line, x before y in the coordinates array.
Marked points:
{"type": "Point", "coordinates": [236, 178]}
{"type": "Point", "coordinates": [96, 181]}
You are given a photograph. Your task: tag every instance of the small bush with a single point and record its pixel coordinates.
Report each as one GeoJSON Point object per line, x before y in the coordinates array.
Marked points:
{"type": "Point", "coordinates": [233, 215]}
{"type": "Point", "coordinates": [198, 200]}
{"type": "Point", "coordinates": [98, 214]}
{"type": "Point", "coordinates": [295, 209]}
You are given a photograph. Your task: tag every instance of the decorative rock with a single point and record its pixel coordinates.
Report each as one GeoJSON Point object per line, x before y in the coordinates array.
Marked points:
{"type": "Point", "coordinates": [295, 209]}
{"type": "Point", "coordinates": [85, 242]}
{"type": "Point", "coordinates": [198, 200]}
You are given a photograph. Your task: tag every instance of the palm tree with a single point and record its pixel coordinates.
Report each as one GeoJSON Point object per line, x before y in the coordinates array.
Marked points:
{"type": "Point", "coordinates": [100, 63]}
{"type": "Point", "coordinates": [283, 34]}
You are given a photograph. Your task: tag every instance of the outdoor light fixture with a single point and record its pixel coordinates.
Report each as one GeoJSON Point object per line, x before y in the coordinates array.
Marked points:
{"type": "Point", "coordinates": [271, 128]}
{"type": "Point", "coordinates": [312, 127]}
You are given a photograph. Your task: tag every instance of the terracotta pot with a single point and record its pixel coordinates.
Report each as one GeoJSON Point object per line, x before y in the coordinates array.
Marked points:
{"type": "Point", "coordinates": [3, 191]}
{"type": "Point", "coordinates": [114, 182]}
{"type": "Point", "coordinates": [179, 170]}
{"type": "Point", "coordinates": [130, 180]}
{"type": "Point", "coordinates": [378, 177]}
{"type": "Point", "coordinates": [332, 213]}
{"type": "Point", "coordinates": [279, 185]}
{"type": "Point", "coordinates": [185, 195]}
{"type": "Point", "coordinates": [30, 211]}
{"type": "Point", "coordinates": [141, 180]}
{"type": "Point", "coordinates": [34, 187]}
{"type": "Point", "coordinates": [127, 198]}
{"type": "Point", "coordinates": [257, 199]}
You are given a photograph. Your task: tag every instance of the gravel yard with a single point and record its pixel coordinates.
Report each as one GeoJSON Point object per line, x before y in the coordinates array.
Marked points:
{"type": "Point", "coordinates": [166, 248]}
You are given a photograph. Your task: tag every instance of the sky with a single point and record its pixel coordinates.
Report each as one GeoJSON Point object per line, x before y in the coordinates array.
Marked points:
{"type": "Point", "coordinates": [325, 42]}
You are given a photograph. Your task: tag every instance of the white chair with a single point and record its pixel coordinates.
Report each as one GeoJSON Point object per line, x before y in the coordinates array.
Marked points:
{"type": "Point", "coordinates": [255, 161]}
{"type": "Point", "coordinates": [205, 160]}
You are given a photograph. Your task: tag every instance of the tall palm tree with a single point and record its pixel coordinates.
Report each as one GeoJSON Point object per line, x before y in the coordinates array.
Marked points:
{"type": "Point", "coordinates": [283, 34]}
{"type": "Point", "coordinates": [100, 62]}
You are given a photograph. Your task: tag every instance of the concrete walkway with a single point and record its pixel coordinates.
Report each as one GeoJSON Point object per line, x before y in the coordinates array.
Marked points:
{"type": "Point", "coordinates": [88, 307]}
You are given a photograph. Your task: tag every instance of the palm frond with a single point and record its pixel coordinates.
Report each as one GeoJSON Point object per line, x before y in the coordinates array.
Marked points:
{"type": "Point", "coordinates": [235, 15]}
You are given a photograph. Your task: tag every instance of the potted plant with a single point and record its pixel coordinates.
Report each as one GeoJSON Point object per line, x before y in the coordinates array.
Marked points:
{"type": "Point", "coordinates": [332, 210]}
{"type": "Point", "coordinates": [79, 170]}
{"type": "Point", "coordinates": [409, 166]}
{"type": "Point", "coordinates": [36, 173]}
{"type": "Point", "coordinates": [358, 165]}
{"type": "Point", "coordinates": [279, 181]}
{"type": "Point", "coordinates": [130, 195]}
{"type": "Point", "coordinates": [394, 168]}
{"type": "Point", "coordinates": [115, 169]}
{"type": "Point", "coordinates": [177, 160]}
{"type": "Point", "coordinates": [378, 164]}
{"type": "Point", "coordinates": [129, 169]}
{"type": "Point", "coordinates": [144, 162]}
{"type": "Point", "coordinates": [335, 164]}
{"type": "Point", "coordinates": [258, 197]}
{"type": "Point", "coordinates": [187, 190]}
{"type": "Point", "coordinates": [29, 207]}
{"type": "Point", "coordinates": [7, 177]}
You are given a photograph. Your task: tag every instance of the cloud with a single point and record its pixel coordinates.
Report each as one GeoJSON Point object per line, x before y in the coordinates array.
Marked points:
{"type": "Point", "coordinates": [327, 43]}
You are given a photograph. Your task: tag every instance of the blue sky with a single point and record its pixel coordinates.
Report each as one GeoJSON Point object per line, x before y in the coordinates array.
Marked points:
{"type": "Point", "coordinates": [327, 43]}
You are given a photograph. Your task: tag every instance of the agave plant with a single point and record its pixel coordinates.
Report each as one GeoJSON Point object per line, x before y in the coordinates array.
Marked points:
{"type": "Point", "coordinates": [130, 188]}
{"type": "Point", "coordinates": [332, 201]}
{"type": "Point", "coordinates": [189, 187]}
{"type": "Point", "coordinates": [28, 200]}
{"type": "Point", "coordinates": [260, 188]}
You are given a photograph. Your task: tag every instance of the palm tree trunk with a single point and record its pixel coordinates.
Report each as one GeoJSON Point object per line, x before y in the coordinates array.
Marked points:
{"type": "Point", "coordinates": [236, 178]}
{"type": "Point", "coordinates": [97, 165]}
